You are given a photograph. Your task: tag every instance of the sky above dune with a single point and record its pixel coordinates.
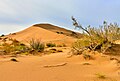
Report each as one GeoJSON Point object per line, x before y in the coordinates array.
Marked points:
{"type": "Point", "coordinates": [16, 15]}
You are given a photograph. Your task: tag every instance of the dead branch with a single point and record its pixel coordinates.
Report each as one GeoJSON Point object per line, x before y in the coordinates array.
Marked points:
{"type": "Point", "coordinates": [58, 65]}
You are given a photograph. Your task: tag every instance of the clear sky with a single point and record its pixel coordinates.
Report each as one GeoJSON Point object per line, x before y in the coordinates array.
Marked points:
{"type": "Point", "coordinates": [16, 15]}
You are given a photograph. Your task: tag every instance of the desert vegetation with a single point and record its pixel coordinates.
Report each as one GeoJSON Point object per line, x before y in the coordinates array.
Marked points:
{"type": "Point", "coordinates": [10, 46]}
{"type": "Point", "coordinates": [50, 44]}
{"type": "Point", "coordinates": [13, 47]}
{"type": "Point", "coordinates": [96, 38]}
{"type": "Point", "coordinates": [37, 45]}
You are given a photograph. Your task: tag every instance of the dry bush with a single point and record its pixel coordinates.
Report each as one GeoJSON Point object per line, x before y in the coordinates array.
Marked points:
{"type": "Point", "coordinates": [99, 39]}
{"type": "Point", "coordinates": [14, 48]}
{"type": "Point", "coordinates": [37, 45]}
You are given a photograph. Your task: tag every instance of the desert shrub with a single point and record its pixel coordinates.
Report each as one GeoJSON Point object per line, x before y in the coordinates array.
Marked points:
{"type": "Point", "coordinates": [2, 35]}
{"type": "Point", "coordinates": [96, 38]}
{"type": "Point", "coordinates": [80, 45]}
{"type": "Point", "coordinates": [37, 45]}
{"type": "Point", "coordinates": [14, 48]}
{"type": "Point", "coordinates": [51, 45]}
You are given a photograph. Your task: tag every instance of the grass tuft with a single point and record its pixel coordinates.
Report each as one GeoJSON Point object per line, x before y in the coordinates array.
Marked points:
{"type": "Point", "coordinates": [37, 45]}
{"type": "Point", "coordinates": [51, 45]}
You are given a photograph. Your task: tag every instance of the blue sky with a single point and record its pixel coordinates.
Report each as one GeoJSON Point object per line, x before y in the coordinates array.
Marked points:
{"type": "Point", "coordinates": [16, 15]}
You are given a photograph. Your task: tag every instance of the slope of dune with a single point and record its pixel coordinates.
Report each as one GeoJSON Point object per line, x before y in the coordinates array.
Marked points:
{"type": "Point", "coordinates": [57, 29]}
{"type": "Point", "coordinates": [44, 34]}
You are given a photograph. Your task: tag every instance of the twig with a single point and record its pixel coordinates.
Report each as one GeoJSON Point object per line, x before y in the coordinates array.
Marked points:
{"type": "Point", "coordinates": [48, 66]}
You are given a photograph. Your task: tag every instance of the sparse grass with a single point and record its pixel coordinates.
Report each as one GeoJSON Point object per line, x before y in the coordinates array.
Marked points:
{"type": "Point", "coordinates": [14, 48]}
{"type": "Point", "coordinates": [37, 45]}
{"type": "Point", "coordinates": [51, 44]}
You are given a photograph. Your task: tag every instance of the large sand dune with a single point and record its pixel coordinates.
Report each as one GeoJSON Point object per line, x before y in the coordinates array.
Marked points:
{"type": "Point", "coordinates": [44, 34]}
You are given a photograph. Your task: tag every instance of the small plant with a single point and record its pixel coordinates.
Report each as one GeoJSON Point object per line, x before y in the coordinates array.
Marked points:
{"type": "Point", "coordinates": [37, 45]}
{"type": "Point", "coordinates": [51, 45]}
{"type": "Point", "coordinates": [100, 76]}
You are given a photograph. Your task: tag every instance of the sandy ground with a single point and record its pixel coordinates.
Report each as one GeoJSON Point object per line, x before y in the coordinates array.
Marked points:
{"type": "Point", "coordinates": [58, 67]}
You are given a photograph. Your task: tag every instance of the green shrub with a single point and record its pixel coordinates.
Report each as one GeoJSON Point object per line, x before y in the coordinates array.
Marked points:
{"type": "Point", "coordinates": [96, 39]}
{"type": "Point", "coordinates": [51, 45]}
{"type": "Point", "coordinates": [37, 45]}
{"type": "Point", "coordinates": [14, 48]}
{"type": "Point", "coordinates": [80, 45]}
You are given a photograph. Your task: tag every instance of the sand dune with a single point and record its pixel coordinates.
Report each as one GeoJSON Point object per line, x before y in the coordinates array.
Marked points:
{"type": "Point", "coordinates": [42, 34]}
